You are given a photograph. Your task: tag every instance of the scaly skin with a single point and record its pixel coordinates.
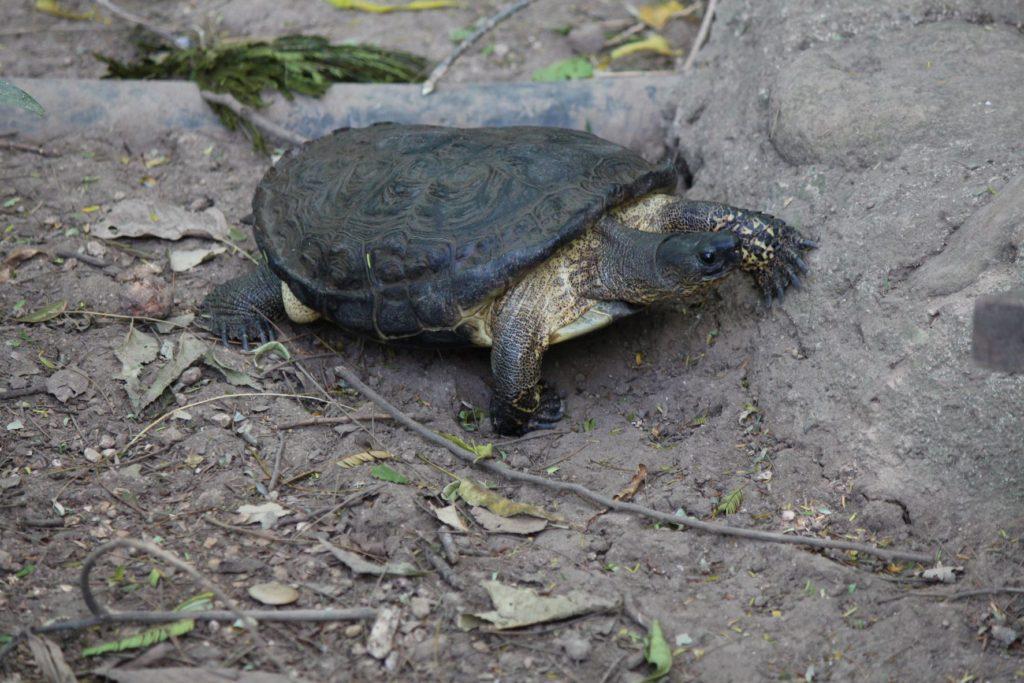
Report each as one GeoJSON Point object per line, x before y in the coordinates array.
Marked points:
{"type": "Point", "coordinates": [244, 308]}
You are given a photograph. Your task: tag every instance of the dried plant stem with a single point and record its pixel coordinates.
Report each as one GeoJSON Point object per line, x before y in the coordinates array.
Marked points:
{"type": "Point", "coordinates": [702, 35]}
{"type": "Point", "coordinates": [441, 69]}
{"type": "Point", "coordinates": [254, 117]}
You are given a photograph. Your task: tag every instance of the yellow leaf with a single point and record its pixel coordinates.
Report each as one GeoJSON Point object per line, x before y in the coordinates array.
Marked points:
{"type": "Point", "coordinates": [653, 43]}
{"type": "Point", "coordinates": [91, 208]}
{"type": "Point", "coordinates": [366, 456]}
{"type": "Point", "coordinates": [476, 494]}
{"type": "Point", "coordinates": [657, 15]}
{"type": "Point", "coordinates": [776, 613]}
{"type": "Point", "coordinates": [54, 8]}
{"type": "Point", "coordinates": [378, 8]}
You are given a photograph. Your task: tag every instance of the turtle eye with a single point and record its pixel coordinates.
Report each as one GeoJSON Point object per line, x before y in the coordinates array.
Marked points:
{"type": "Point", "coordinates": [708, 257]}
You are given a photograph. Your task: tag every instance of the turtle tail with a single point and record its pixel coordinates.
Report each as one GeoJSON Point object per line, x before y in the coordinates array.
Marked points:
{"type": "Point", "coordinates": [244, 308]}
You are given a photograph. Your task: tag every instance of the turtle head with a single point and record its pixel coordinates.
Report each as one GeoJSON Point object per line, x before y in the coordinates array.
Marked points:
{"type": "Point", "coordinates": [692, 258]}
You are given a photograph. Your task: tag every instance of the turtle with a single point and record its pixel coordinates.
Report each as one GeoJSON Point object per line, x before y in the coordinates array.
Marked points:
{"type": "Point", "coordinates": [513, 238]}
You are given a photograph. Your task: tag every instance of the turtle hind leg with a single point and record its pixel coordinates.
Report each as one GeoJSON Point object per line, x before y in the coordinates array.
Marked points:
{"type": "Point", "coordinates": [244, 308]}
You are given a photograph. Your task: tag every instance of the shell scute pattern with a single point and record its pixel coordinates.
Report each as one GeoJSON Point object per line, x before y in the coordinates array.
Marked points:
{"type": "Point", "coordinates": [392, 229]}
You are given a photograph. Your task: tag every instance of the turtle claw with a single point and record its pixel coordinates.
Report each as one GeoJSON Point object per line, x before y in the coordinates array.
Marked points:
{"type": "Point", "coordinates": [807, 244]}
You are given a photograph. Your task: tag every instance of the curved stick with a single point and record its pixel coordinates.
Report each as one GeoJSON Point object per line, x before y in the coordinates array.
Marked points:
{"type": "Point", "coordinates": [605, 501]}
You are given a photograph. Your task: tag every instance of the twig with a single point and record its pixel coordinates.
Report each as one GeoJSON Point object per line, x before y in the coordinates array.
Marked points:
{"type": "Point", "coordinates": [100, 611]}
{"type": "Point", "coordinates": [254, 117]}
{"type": "Point", "coordinates": [451, 553]}
{"type": "Point", "coordinates": [444, 570]}
{"type": "Point", "coordinates": [84, 258]}
{"type": "Point", "coordinates": [120, 13]}
{"type": "Point", "coordinates": [314, 517]}
{"type": "Point", "coordinates": [22, 147]}
{"type": "Point", "coordinates": [255, 533]}
{"type": "Point", "coordinates": [609, 675]}
{"type": "Point", "coordinates": [441, 69]}
{"type": "Point", "coordinates": [277, 465]}
{"type": "Point", "coordinates": [702, 34]}
{"type": "Point", "coordinates": [37, 388]}
{"type": "Point", "coordinates": [244, 394]}
{"type": "Point", "coordinates": [684, 520]}
{"type": "Point", "coordinates": [996, 590]}
{"type": "Point", "coordinates": [339, 420]}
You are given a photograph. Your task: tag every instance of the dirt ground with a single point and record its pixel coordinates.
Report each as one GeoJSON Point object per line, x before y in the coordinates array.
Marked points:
{"type": "Point", "coordinates": [850, 412]}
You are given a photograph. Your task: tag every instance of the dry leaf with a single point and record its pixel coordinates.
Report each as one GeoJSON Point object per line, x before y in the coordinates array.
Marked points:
{"type": "Point", "coordinates": [658, 14]}
{"type": "Point", "coordinates": [66, 384]}
{"type": "Point", "coordinates": [266, 514]}
{"type": "Point", "coordinates": [517, 607]}
{"type": "Point", "coordinates": [653, 43]}
{"type": "Point", "coordinates": [633, 487]}
{"type": "Point", "coordinates": [476, 494]}
{"type": "Point", "coordinates": [189, 350]}
{"type": "Point", "coordinates": [54, 8]}
{"type": "Point", "coordinates": [361, 566]}
{"type": "Point", "coordinates": [16, 256]}
{"type": "Point", "coordinates": [50, 660]}
{"type": "Point", "coordinates": [450, 515]}
{"type": "Point", "coordinates": [187, 259]}
{"type": "Point", "coordinates": [358, 459]}
{"type": "Point", "coordinates": [144, 218]}
{"type": "Point", "coordinates": [496, 524]}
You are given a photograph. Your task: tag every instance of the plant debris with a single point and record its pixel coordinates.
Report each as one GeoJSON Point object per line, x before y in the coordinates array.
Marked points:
{"type": "Point", "coordinates": [292, 65]}
{"type": "Point", "coordinates": [517, 607]}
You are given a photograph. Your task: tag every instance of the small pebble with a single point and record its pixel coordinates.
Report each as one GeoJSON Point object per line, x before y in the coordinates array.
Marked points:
{"type": "Point", "coordinates": [222, 420]}
{"type": "Point", "coordinates": [92, 455]}
{"type": "Point", "coordinates": [353, 630]}
{"type": "Point", "coordinates": [190, 376]}
{"type": "Point", "coordinates": [577, 649]}
{"type": "Point", "coordinates": [1004, 634]}
{"type": "Point", "coordinates": [107, 441]}
{"type": "Point", "coordinates": [586, 39]}
{"type": "Point", "coordinates": [420, 607]}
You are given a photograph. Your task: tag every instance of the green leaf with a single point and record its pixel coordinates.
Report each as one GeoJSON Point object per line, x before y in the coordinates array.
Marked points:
{"type": "Point", "coordinates": [565, 70]}
{"type": "Point", "coordinates": [482, 450]}
{"type": "Point", "coordinates": [145, 639]}
{"type": "Point", "coordinates": [27, 570]}
{"type": "Point", "coordinates": [458, 35]}
{"type": "Point", "coordinates": [730, 503]}
{"type": "Point", "coordinates": [657, 652]}
{"type": "Point", "coordinates": [154, 577]}
{"type": "Point", "coordinates": [47, 312]}
{"type": "Point", "coordinates": [14, 96]}
{"type": "Point", "coordinates": [271, 347]}
{"type": "Point", "coordinates": [385, 473]}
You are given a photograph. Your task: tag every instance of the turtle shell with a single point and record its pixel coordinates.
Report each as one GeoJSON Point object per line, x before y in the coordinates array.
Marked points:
{"type": "Point", "coordinates": [397, 231]}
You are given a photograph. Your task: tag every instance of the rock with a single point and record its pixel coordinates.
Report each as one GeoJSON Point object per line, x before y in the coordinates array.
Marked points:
{"type": "Point", "coordinates": [273, 593]}
{"type": "Point", "coordinates": [382, 633]}
{"type": "Point", "coordinates": [586, 39]}
{"type": "Point", "coordinates": [222, 420]}
{"type": "Point", "coordinates": [190, 376]}
{"type": "Point", "coordinates": [92, 455]}
{"type": "Point", "coordinates": [353, 630]}
{"type": "Point", "coordinates": [576, 648]}
{"type": "Point", "coordinates": [1004, 634]}
{"type": "Point", "coordinates": [420, 607]}
{"type": "Point", "coordinates": [107, 441]}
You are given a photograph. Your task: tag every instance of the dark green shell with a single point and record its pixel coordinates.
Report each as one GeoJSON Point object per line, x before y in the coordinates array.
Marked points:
{"type": "Point", "coordinates": [394, 230]}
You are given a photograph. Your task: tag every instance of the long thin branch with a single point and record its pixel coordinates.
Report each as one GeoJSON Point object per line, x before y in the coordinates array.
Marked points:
{"type": "Point", "coordinates": [503, 471]}
{"type": "Point", "coordinates": [702, 34]}
{"type": "Point", "coordinates": [441, 69]}
{"type": "Point", "coordinates": [254, 117]}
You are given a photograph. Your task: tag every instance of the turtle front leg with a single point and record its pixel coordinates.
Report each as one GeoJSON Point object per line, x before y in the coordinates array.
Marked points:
{"type": "Point", "coordinates": [244, 308]}
{"type": "Point", "coordinates": [771, 249]}
{"type": "Point", "coordinates": [521, 403]}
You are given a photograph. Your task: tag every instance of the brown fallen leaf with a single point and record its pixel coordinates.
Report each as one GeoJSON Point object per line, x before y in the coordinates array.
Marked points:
{"type": "Point", "coordinates": [634, 485]}
{"type": "Point", "coordinates": [145, 218]}
{"type": "Point", "coordinates": [627, 493]}
{"type": "Point", "coordinates": [50, 660]}
{"type": "Point", "coordinates": [17, 255]}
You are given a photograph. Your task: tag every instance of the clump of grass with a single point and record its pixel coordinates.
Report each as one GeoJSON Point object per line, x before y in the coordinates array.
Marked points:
{"type": "Point", "coordinates": [291, 65]}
